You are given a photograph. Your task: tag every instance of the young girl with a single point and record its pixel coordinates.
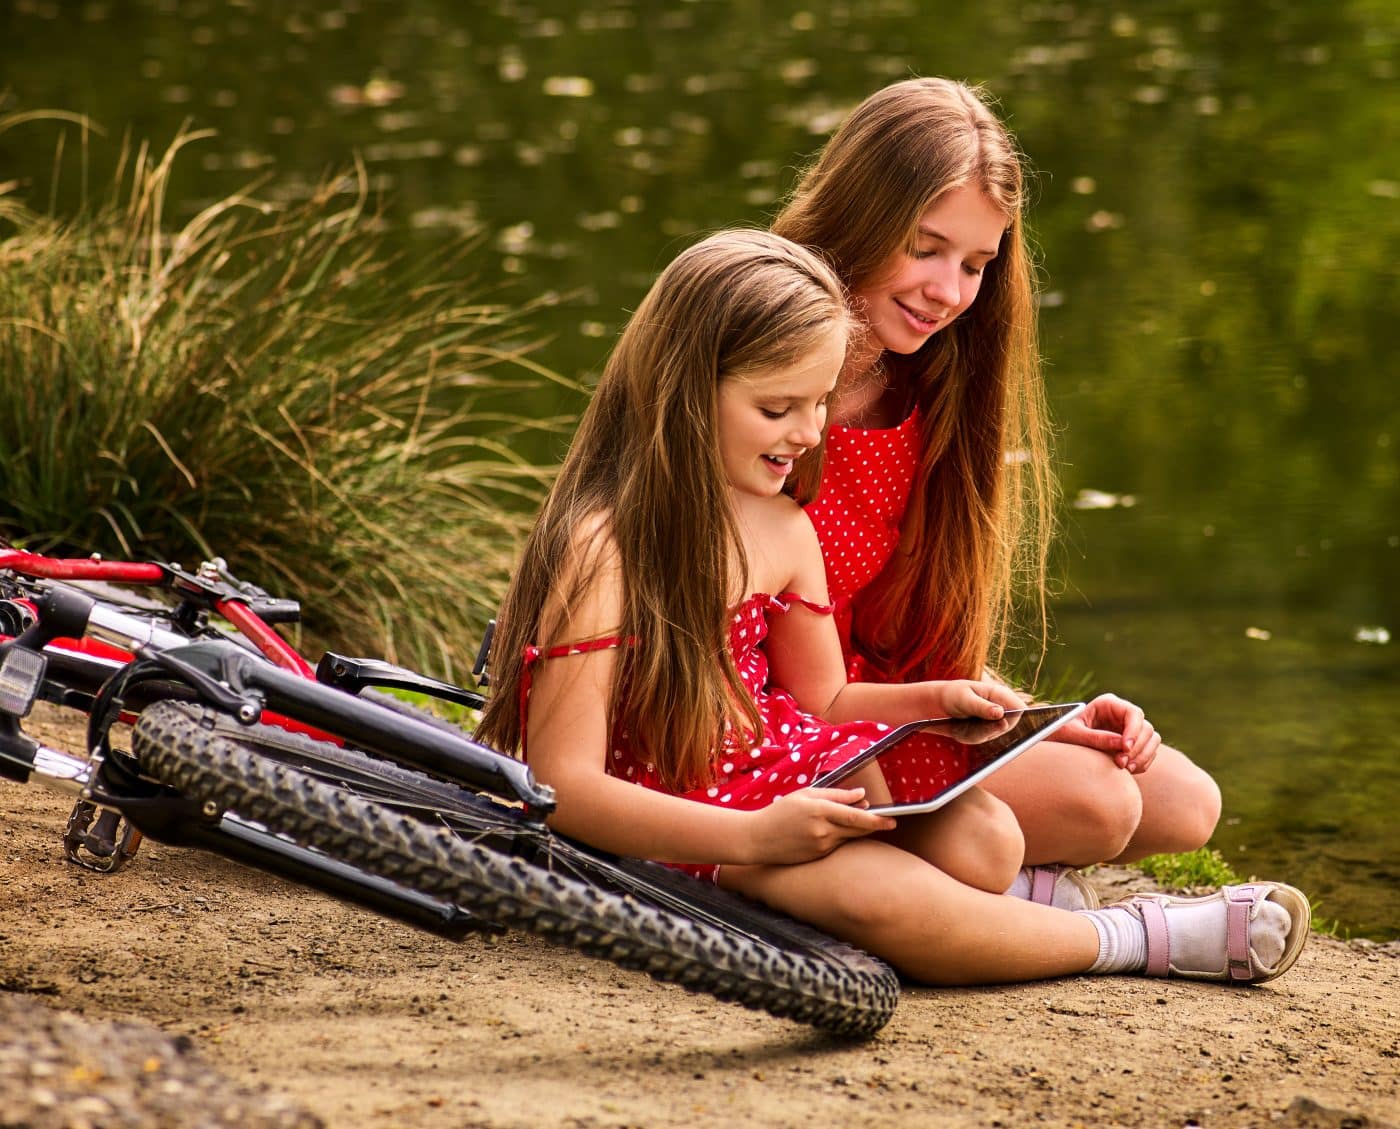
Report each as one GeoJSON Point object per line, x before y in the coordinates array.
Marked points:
{"type": "Point", "coordinates": [937, 492]}
{"type": "Point", "coordinates": [667, 659]}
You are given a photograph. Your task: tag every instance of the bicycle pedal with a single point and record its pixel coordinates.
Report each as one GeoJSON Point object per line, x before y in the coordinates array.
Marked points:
{"type": "Point", "coordinates": [98, 838]}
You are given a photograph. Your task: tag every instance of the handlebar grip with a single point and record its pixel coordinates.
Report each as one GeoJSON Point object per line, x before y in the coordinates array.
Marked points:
{"type": "Point", "coordinates": [63, 612]}
{"type": "Point", "coordinates": [271, 610]}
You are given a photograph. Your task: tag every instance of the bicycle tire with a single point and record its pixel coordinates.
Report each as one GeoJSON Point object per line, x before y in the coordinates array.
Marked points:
{"type": "Point", "coordinates": [504, 871]}
{"type": "Point", "coordinates": [369, 776]}
{"type": "Point", "coordinates": [471, 814]}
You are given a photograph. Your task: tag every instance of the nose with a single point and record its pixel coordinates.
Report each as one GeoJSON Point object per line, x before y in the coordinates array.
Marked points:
{"type": "Point", "coordinates": [941, 283]}
{"type": "Point", "coordinates": [807, 428]}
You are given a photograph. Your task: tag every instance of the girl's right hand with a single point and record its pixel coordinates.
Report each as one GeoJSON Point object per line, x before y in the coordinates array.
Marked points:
{"type": "Point", "coordinates": [810, 823]}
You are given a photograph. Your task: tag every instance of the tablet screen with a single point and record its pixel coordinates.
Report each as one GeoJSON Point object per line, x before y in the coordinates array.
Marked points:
{"type": "Point", "coordinates": [970, 749]}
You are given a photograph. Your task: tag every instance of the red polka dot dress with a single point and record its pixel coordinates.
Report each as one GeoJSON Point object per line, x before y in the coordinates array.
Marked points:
{"type": "Point", "coordinates": [795, 747]}
{"type": "Point", "coordinates": [866, 482]}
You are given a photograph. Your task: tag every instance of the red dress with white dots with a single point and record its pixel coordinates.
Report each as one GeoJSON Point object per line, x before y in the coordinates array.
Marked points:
{"type": "Point", "coordinates": [866, 483]}
{"type": "Point", "coordinates": [795, 746]}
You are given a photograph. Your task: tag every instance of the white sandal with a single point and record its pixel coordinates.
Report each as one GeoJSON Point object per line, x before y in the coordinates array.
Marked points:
{"type": "Point", "coordinates": [1060, 886]}
{"type": "Point", "coordinates": [1240, 963]}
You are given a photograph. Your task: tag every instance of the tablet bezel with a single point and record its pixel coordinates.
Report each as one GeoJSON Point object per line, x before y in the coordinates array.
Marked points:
{"type": "Point", "coordinates": [1053, 716]}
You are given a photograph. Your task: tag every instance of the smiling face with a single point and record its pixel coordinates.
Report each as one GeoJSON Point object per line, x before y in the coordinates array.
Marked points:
{"type": "Point", "coordinates": [770, 417]}
{"type": "Point", "coordinates": [917, 293]}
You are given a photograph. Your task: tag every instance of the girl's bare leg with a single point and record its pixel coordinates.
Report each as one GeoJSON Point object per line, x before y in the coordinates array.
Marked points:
{"type": "Point", "coordinates": [1076, 806]}
{"type": "Point", "coordinates": [1180, 807]}
{"type": "Point", "coordinates": [929, 926]}
{"type": "Point", "coordinates": [975, 840]}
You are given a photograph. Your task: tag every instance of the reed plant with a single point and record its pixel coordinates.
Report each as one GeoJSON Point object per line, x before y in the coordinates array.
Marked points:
{"type": "Point", "coordinates": [263, 382]}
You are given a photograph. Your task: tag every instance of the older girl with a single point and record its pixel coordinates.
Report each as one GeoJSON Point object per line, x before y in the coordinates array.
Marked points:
{"type": "Point", "coordinates": [937, 491]}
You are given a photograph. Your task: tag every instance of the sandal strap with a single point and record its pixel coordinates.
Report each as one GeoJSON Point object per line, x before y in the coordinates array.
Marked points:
{"type": "Point", "coordinates": [1043, 879]}
{"type": "Point", "coordinates": [1159, 954]}
{"type": "Point", "coordinates": [1239, 903]}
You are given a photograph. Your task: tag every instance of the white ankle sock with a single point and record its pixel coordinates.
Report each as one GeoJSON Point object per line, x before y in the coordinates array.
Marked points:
{"type": "Point", "coordinates": [1122, 940]}
{"type": "Point", "coordinates": [1197, 929]}
{"type": "Point", "coordinates": [1021, 888]}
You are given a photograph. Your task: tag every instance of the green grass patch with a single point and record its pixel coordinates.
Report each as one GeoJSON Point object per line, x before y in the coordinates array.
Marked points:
{"type": "Point", "coordinates": [1185, 871]}
{"type": "Point", "coordinates": [1329, 926]}
{"type": "Point", "coordinates": [464, 717]}
{"type": "Point", "coordinates": [262, 382]}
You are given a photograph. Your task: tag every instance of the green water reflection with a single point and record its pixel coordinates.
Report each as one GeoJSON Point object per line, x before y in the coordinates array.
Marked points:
{"type": "Point", "coordinates": [1219, 212]}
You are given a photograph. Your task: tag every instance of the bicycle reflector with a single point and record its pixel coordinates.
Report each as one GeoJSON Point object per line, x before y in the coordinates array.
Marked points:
{"type": "Point", "coordinates": [21, 675]}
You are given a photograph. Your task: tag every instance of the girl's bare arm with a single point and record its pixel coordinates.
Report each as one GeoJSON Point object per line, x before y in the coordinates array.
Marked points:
{"type": "Point", "coordinates": [568, 749]}
{"type": "Point", "coordinates": [804, 653]}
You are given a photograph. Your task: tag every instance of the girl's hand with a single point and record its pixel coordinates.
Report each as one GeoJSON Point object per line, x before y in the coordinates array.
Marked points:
{"type": "Point", "coordinates": [810, 823]}
{"type": "Point", "coordinates": [1115, 727]}
{"type": "Point", "coordinates": [966, 697]}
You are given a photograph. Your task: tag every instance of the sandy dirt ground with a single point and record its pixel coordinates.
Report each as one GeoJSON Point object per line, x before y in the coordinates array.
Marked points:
{"type": "Point", "coordinates": [185, 971]}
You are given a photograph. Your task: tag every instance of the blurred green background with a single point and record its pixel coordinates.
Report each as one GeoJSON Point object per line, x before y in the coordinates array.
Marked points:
{"type": "Point", "coordinates": [1218, 209]}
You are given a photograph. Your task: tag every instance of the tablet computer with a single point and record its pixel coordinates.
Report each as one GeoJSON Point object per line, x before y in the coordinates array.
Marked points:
{"type": "Point", "coordinates": [969, 749]}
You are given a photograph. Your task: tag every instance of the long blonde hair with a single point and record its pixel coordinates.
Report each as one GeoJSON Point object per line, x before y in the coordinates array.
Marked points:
{"type": "Point", "coordinates": [644, 471]}
{"type": "Point", "coordinates": [977, 528]}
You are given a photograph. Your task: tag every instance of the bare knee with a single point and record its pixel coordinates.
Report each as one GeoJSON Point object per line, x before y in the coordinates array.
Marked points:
{"type": "Point", "coordinates": [1105, 816]}
{"type": "Point", "coordinates": [1181, 806]}
{"type": "Point", "coordinates": [975, 839]}
{"type": "Point", "coordinates": [996, 848]}
{"type": "Point", "coordinates": [1198, 810]}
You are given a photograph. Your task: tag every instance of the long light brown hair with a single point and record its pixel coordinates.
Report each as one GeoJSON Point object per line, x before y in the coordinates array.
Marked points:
{"type": "Point", "coordinates": [977, 528]}
{"type": "Point", "coordinates": [644, 472]}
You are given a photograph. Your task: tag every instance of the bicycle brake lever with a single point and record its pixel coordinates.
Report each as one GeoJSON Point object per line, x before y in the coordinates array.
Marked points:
{"type": "Point", "coordinates": [354, 675]}
{"type": "Point", "coordinates": [245, 708]}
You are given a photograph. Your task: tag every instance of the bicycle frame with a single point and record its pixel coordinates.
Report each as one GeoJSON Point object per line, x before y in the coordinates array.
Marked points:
{"type": "Point", "coordinates": [211, 590]}
{"type": "Point", "coordinates": [92, 648]}
{"type": "Point", "coordinates": [223, 674]}
{"type": "Point", "coordinates": [226, 676]}
{"type": "Point", "coordinates": [249, 609]}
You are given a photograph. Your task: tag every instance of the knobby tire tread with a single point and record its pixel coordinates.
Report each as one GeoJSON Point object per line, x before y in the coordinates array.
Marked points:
{"type": "Point", "coordinates": [804, 976]}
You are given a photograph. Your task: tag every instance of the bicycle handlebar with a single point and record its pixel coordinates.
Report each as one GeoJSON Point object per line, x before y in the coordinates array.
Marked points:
{"type": "Point", "coordinates": [287, 681]}
{"type": "Point", "coordinates": [130, 632]}
{"type": "Point", "coordinates": [86, 568]}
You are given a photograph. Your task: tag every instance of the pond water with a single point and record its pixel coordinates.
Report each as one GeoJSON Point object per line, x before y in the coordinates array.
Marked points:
{"type": "Point", "coordinates": [1218, 209]}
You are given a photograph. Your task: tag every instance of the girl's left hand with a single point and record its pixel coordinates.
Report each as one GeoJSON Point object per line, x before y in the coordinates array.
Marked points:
{"type": "Point", "coordinates": [965, 697]}
{"type": "Point", "coordinates": [1115, 727]}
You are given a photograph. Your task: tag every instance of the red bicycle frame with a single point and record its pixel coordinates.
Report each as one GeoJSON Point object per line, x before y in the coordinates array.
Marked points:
{"type": "Point", "coordinates": [207, 584]}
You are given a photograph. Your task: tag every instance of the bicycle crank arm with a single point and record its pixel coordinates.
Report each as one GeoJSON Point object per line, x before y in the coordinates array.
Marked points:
{"type": "Point", "coordinates": [58, 771]}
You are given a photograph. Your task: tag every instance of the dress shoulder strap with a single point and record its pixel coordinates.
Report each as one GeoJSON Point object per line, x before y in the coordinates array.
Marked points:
{"type": "Point", "coordinates": [535, 654]}
{"type": "Point", "coordinates": [785, 600]}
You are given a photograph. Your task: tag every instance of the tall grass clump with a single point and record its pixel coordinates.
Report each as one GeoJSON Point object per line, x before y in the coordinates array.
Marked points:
{"type": "Point", "coordinates": [264, 383]}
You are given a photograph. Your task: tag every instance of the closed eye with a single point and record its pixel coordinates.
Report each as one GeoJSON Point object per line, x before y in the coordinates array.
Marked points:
{"type": "Point", "coordinates": [771, 414]}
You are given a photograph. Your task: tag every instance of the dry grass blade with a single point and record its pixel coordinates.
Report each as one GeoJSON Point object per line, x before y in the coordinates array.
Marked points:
{"type": "Point", "coordinates": [264, 383]}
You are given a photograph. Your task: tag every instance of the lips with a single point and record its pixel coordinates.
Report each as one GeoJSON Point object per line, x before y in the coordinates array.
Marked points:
{"type": "Point", "coordinates": [919, 318]}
